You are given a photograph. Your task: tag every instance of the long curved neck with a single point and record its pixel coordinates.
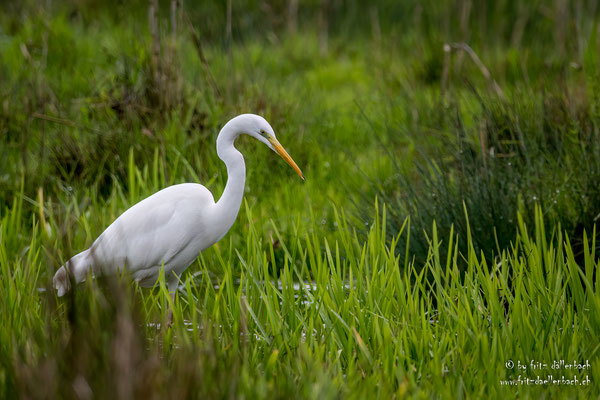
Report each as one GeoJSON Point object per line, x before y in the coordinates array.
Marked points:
{"type": "Point", "coordinates": [228, 206]}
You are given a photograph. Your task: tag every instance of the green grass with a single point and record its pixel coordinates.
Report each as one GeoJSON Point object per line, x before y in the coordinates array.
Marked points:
{"type": "Point", "coordinates": [307, 317]}
{"type": "Point", "coordinates": [413, 262]}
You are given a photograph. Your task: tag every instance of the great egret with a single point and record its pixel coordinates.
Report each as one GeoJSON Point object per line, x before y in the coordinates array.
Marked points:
{"type": "Point", "coordinates": [174, 225]}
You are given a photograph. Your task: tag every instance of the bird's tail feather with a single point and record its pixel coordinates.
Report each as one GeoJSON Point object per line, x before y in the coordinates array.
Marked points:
{"type": "Point", "coordinates": [75, 269]}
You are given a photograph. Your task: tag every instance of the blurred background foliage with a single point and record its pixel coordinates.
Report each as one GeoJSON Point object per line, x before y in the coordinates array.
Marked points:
{"type": "Point", "coordinates": [492, 106]}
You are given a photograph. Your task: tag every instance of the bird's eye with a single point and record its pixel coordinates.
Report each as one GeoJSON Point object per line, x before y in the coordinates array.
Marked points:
{"type": "Point", "coordinates": [263, 133]}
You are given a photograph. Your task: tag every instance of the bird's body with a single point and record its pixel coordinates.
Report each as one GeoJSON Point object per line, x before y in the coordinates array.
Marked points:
{"type": "Point", "coordinates": [171, 227]}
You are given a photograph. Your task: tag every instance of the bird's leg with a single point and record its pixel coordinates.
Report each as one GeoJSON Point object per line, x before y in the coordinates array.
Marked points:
{"type": "Point", "coordinates": [170, 312]}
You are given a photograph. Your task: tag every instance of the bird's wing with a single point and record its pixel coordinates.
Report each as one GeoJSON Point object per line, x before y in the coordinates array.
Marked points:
{"type": "Point", "coordinates": [154, 231]}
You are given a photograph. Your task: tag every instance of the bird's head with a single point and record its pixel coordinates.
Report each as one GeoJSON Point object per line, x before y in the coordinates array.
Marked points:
{"type": "Point", "coordinates": [258, 127]}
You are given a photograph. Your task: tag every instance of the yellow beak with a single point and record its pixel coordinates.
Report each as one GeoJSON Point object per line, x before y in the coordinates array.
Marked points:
{"type": "Point", "coordinates": [281, 151]}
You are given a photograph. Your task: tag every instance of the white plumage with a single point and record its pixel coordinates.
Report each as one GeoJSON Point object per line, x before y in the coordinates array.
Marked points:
{"type": "Point", "coordinates": [174, 225]}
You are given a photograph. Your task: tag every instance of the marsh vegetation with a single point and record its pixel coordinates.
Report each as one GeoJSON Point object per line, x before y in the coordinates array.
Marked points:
{"type": "Point", "coordinates": [446, 226]}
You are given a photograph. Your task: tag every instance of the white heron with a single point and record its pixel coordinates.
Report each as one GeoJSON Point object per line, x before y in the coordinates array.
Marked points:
{"type": "Point", "coordinates": [171, 227]}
